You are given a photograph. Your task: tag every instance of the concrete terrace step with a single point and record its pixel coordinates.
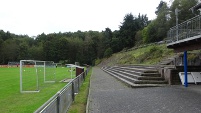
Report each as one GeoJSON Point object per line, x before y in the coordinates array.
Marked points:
{"type": "Point", "coordinates": [141, 72]}
{"type": "Point", "coordinates": [123, 76]}
{"type": "Point", "coordinates": [139, 66]}
{"type": "Point", "coordinates": [135, 80]}
{"type": "Point", "coordinates": [118, 77]}
{"type": "Point", "coordinates": [138, 75]}
{"type": "Point", "coordinates": [150, 82]}
{"type": "Point", "coordinates": [142, 69]}
{"type": "Point", "coordinates": [151, 74]}
{"type": "Point", "coordinates": [131, 84]}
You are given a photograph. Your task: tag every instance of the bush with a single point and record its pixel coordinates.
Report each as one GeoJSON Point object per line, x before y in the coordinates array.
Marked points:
{"type": "Point", "coordinates": [98, 61]}
{"type": "Point", "coordinates": [153, 49]}
{"type": "Point", "coordinates": [108, 52]}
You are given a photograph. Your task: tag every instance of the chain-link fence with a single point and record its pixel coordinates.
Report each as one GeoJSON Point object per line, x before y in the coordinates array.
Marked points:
{"type": "Point", "coordinates": [62, 100]}
{"type": "Point", "coordinates": [187, 29]}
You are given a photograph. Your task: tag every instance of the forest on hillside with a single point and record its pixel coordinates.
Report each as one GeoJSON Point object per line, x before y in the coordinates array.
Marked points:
{"type": "Point", "coordinates": [87, 46]}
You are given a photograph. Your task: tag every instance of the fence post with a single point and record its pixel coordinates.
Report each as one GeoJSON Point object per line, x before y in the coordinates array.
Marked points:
{"type": "Point", "coordinates": [58, 102]}
{"type": "Point", "coordinates": [78, 83]}
{"type": "Point", "coordinates": [73, 91]}
{"type": "Point", "coordinates": [84, 74]}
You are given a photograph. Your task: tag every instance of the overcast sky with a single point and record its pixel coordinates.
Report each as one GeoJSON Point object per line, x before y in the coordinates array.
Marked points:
{"type": "Point", "coordinates": [33, 17]}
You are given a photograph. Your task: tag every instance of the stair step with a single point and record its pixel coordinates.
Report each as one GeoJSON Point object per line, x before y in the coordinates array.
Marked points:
{"type": "Point", "coordinates": [150, 78]}
{"type": "Point", "coordinates": [151, 71]}
{"type": "Point", "coordinates": [148, 73]}
{"type": "Point", "coordinates": [138, 76]}
{"type": "Point", "coordinates": [129, 71]}
{"type": "Point", "coordinates": [151, 74]}
{"type": "Point", "coordinates": [121, 79]}
{"type": "Point", "coordinates": [147, 85]}
{"type": "Point", "coordinates": [138, 66]}
{"type": "Point", "coordinates": [123, 76]}
{"type": "Point", "coordinates": [136, 81]}
{"type": "Point", "coordinates": [150, 82]}
{"type": "Point", "coordinates": [135, 69]}
{"type": "Point", "coordinates": [133, 85]}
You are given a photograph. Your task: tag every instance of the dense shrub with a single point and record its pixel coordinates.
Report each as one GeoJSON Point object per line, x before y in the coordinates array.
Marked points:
{"type": "Point", "coordinates": [108, 52]}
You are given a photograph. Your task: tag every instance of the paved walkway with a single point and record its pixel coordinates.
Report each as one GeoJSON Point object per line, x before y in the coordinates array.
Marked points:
{"type": "Point", "coordinates": [108, 95]}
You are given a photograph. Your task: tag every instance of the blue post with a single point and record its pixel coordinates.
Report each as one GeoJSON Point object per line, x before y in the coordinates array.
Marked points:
{"type": "Point", "coordinates": [185, 69]}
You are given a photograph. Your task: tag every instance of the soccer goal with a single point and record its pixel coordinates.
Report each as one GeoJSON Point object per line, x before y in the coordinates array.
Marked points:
{"type": "Point", "coordinates": [33, 74]}
{"type": "Point", "coordinates": [49, 72]}
{"type": "Point", "coordinates": [13, 64]}
{"type": "Point", "coordinates": [72, 68]}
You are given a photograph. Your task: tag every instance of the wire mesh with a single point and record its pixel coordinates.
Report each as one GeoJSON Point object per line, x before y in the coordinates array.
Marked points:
{"type": "Point", "coordinates": [65, 99]}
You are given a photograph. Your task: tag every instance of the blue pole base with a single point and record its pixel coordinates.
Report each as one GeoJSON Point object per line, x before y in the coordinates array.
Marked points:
{"type": "Point", "coordinates": [185, 69]}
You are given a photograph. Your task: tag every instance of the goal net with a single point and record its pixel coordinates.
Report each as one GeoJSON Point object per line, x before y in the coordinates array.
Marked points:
{"type": "Point", "coordinates": [33, 74]}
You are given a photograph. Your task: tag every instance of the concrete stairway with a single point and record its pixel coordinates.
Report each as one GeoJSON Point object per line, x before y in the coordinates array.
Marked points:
{"type": "Point", "coordinates": [137, 76]}
{"type": "Point", "coordinates": [171, 60]}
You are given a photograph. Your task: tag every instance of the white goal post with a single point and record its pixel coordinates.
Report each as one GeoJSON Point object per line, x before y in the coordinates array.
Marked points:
{"type": "Point", "coordinates": [34, 73]}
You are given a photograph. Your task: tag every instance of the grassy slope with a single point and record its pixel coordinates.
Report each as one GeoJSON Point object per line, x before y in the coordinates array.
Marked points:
{"type": "Point", "coordinates": [145, 55]}
{"type": "Point", "coordinates": [12, 101]}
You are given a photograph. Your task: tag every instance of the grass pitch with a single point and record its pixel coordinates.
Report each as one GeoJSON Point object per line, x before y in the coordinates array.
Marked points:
{"type": "Point", "coordinates": [12, 101]}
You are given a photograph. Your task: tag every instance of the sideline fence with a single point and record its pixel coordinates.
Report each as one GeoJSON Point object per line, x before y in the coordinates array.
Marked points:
{"type": "Point", "coordinates": [61, 101]}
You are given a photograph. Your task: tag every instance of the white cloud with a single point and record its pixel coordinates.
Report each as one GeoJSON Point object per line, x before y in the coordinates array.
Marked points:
{"type": "Point", "coordinates": [33, 17]}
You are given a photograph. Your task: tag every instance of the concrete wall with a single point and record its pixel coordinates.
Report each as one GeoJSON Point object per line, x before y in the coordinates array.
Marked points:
{"type": "Point", "coordinates": [172, 74]}
{"type": "Point", "coordinates": [192, 61]}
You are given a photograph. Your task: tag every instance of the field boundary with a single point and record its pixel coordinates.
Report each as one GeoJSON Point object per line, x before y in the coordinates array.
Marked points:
{"type": "Point", "coordinates": [15, 66]}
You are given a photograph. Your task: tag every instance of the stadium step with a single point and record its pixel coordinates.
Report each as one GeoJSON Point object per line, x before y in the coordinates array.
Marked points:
{"type": "Point", "coordinates": [136, 76]}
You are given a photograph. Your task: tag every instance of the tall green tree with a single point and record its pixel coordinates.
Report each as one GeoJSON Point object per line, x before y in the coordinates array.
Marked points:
{"type": "Point", "coordinates": [127, 31]}
{"type": "Point", "coordinates": [130, 26]}
{"type": "Point", "coordinates": [23, 51]}
{"type": "Point", "coordinates": [116, 43]}
{"type": "Point", "coordinates": [108, 36]}
{"type": "Point", "coordinates": [36, 52]}
{"type": "Point", "coordinates": [184, 13]}
{"type": "Point", "coordinates": [63, 48]}
{"type": "Point", "coordinates": [157, 29]}
{"type": "Point", "coordinates": [161, 23]}
{"type": "Point", "coordinates": [9, 51]}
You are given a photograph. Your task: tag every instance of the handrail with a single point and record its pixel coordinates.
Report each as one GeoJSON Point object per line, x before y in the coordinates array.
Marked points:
{"type": "Point", "coordinates": [187, 29]}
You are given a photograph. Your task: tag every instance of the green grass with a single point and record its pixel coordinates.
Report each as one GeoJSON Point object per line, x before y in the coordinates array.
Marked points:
{"type": "Point", "coordinates": [147, 55]}
{"type": "Point", "coordinates": [12, 101]}
{"type": "Point", "coordinates": [79, 105]}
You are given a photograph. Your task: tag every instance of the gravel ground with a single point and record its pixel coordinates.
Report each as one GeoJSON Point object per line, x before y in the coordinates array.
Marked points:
{"type": "Point", "coordinates": [108, 95]}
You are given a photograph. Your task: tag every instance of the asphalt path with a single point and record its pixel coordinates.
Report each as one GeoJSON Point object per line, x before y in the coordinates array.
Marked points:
{"type": "Point", "coordinates": [108, 95]}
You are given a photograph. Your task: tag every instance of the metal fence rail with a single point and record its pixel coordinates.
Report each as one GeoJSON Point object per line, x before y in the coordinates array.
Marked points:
{"type": "Point", "coordinates": [187, 29]}
{"type": "Point", "coordinates": [61, 101]}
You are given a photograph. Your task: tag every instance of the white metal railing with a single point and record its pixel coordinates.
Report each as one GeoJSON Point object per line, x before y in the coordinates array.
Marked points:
{"type": "Point", "coordinates": [186, 29]}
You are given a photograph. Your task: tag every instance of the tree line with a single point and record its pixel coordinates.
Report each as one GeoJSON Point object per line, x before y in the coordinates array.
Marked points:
{"type": "Point", "coordinates": [86, 47]}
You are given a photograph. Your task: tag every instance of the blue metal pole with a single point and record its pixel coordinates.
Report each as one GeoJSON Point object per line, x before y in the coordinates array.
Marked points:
{"type": "Point", "coordinates": [185, 69]}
